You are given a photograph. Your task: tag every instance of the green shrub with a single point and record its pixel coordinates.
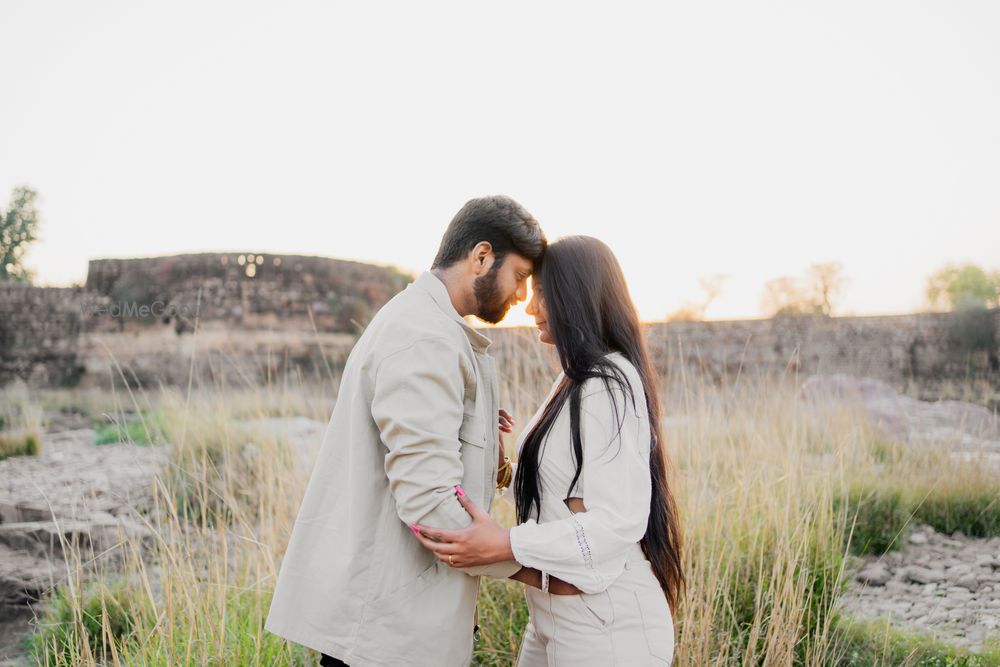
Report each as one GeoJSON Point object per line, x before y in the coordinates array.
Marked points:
{"type": "Point", "coordinates": [19, 444]}
{"type": "Point", "coordinates": [145, 431]}
{"type": "Point", "coordinates": [878, 644]}
{"type": "Point", "coordinates": [876, 517]}
{"type": "Point", "coordinates": [73, 628]}
{"type": "Point", "coordinates": [974, 510]}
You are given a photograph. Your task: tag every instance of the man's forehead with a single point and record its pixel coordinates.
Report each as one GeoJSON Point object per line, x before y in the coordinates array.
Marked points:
{"type": "Point", "coordinates": [522, 263]}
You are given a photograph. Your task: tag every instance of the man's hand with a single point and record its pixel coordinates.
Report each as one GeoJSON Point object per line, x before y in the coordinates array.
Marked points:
{"type": "Point", "coordinates": [483, 543]}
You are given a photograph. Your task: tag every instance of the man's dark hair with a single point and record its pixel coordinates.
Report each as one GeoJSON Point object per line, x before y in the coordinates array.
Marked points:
{"type": "Point", "coordinates": [501, 221]}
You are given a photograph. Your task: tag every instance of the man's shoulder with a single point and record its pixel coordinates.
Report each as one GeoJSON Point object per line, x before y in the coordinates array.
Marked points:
{"type": "Point", "coordinates": [408, 322]}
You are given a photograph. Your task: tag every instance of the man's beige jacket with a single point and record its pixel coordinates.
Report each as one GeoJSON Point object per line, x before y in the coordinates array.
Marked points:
{"type": "Point", "coordinates": [416, 414]}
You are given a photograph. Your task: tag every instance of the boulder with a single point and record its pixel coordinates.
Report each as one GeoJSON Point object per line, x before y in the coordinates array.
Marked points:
{"type": "Point", "coordinates": [923, 575]}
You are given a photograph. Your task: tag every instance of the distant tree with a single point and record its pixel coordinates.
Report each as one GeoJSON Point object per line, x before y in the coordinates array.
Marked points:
{"type": "Point", "coordinates": [964, 286]}
{"type": "Point", "coordinates": [826, 280]}
{"type": "Point", "coordinates": [688, 312]}
{"type": "Point", "coordinates": [814, 295]}
{"type": "Point", "coordinates": [788, 296]}
{"type": "Point", "coordinates": [18, 228]}
{"type": "Point", "coordinates": [712, 286]}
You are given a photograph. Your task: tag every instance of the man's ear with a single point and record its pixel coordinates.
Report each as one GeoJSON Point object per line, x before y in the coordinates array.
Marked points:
{"type": "Point", "coordinates": [482, 258]}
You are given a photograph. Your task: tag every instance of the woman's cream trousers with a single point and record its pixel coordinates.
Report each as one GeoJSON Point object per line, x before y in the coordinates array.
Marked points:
{"type": "Point", "coordinates": [629, 624]}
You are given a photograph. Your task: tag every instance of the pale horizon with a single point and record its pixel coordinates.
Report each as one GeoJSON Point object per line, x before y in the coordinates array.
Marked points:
{"type": "Point", "coordinates": [693, 140]}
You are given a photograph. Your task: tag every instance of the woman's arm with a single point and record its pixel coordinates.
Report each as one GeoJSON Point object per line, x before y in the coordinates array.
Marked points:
{"type": "Point", "coordinates": [532, 577]}
{"type": "Point", "coordinates": [589, 548]}
{"type": "Point", "coordinates": [505, 473]}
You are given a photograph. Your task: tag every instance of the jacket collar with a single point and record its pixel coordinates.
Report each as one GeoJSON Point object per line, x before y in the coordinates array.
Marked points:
{"type": "Point", "coordinates": [431, 284]}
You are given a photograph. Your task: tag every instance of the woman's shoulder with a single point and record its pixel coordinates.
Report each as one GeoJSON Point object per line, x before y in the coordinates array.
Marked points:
{"type": "Point", "coordinates": [597, 385]}
{"type": "Point", "coordinates": [622, 362]}
{"type": "Point", "coordinates": [626, 366]}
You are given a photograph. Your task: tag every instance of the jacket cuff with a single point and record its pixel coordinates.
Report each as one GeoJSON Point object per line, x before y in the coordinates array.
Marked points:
{"type": "Point", "coordinates": [502, 570]}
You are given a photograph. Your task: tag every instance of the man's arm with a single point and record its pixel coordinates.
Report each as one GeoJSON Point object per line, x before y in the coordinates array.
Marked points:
{"type": "Point", "coordinates": [417, 405]}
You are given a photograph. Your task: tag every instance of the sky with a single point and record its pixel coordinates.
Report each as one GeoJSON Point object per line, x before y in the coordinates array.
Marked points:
{"type": "Point", "coordinates": [750, 139]}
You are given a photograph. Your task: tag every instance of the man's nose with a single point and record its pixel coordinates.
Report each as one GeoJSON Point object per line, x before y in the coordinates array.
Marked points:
{"type": "Point", "coordinates": [522, 293]}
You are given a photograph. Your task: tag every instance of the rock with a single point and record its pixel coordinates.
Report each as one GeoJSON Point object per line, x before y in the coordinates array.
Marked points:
{"type": "Point", "coordinates": [918, 539]}
{"type": "Point", "coordinates": [897, 587]}
{"type": "Point", "coordinates": [968, 429]}
{"type": "Point", "coordinates": [923, 575]}
{"type": "Point", "coordinates": [985, 560]}
{"type": "Point", "coordinates": [24, 577]}
{"type": "Point", "coordinates": [303, 435]}
{"type": "Point", "coordinates": [874, 575]}
{"type": "Point", "coordinates": [957, 593]}
{"type": "Point", "coordinates": [937, 616]}
{"type": "Point", "coordinates": [969, 582]}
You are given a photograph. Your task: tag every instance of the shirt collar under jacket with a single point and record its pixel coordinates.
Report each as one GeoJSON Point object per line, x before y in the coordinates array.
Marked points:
{"type": "Point", "coordinates": [431, 284]}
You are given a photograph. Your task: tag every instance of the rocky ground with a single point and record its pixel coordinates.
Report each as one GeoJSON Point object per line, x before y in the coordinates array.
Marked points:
{"type": "Point", "coordinates": [78, 493]}
{"type": "Point", "coordinates": [967, 429]}
{"type": "Point", "coordinates": [948, 586]}
{"type": "Point", "coordinates": [303, 434]}
{"type": "Point", "coordinates": [73, 495]}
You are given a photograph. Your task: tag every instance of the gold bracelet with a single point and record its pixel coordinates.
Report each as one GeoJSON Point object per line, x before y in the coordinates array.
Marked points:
{"type": "Point", "coordinates": [508, 474]}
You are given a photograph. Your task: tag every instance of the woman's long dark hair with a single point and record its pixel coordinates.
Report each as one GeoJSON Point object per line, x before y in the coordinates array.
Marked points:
{"type": "Point", "coordinates": [590, 314]}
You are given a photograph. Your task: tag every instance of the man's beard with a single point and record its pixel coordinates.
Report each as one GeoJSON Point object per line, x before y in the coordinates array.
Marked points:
{"type": "Point", "coordinates": [490, 305]}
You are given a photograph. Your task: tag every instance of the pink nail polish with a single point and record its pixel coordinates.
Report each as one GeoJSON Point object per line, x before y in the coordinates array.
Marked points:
{"type": "Point", "coordinates": [416, 531]}
{"type": "Point", "coordinates": [459, 490]}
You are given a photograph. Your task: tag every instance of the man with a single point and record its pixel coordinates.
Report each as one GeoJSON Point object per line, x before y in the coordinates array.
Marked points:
{"type": "Point", "coordinates": [416, 416]}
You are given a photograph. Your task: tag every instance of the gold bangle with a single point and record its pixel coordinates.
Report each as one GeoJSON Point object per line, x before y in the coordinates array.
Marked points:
{"type": "Point", "coordinates": [507, 471]}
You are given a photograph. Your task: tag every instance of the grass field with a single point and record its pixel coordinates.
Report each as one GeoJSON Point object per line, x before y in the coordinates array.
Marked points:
{"type": "Point", "coordinates": [776, 494]}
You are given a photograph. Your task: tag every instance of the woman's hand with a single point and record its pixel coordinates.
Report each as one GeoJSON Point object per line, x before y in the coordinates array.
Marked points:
{"type": "Point", "coordinates": [482, 543]}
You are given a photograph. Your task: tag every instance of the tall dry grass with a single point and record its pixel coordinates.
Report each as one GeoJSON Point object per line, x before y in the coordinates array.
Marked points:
{"type": "Point", "coordinates": [761, 477]}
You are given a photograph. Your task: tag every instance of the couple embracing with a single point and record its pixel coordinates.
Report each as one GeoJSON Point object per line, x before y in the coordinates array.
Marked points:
{"type": "Point", "coordinates": [384, 562]}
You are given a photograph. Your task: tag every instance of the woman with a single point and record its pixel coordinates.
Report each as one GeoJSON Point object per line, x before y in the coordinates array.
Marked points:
{"type": "Point", "coordinates": [595, 515]}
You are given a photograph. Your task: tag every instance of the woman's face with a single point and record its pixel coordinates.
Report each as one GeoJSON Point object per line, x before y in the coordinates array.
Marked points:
{"type": "Point", "coordinates": [536, 308]}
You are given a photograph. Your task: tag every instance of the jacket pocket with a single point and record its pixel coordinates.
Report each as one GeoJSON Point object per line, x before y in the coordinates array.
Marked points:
{"type": "Point", "coordinates": [472, 431]}
{"type": "Point", "coordinates": [475, 466]}
{"type": "Point", "coordinates": [407, 590]}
